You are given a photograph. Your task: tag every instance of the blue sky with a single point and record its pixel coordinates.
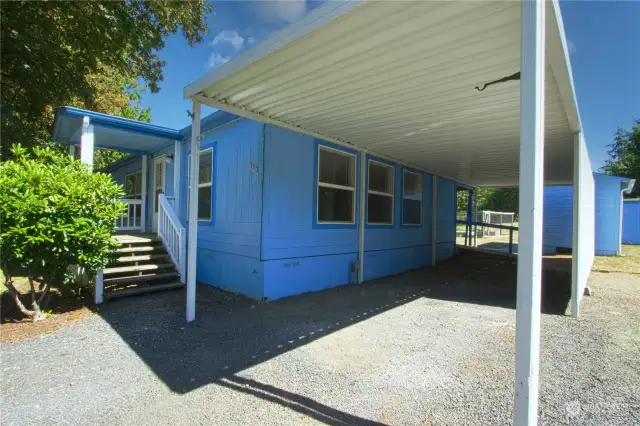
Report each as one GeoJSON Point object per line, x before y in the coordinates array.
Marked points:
{"type": "Point", "coordinates": [603, 40]}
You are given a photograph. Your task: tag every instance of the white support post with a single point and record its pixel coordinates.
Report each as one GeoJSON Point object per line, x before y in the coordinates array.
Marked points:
{"type": "Point", "coordinates": [434, 220]}
{"type": "Point", "coordinates": [532, 86]}
{"type": "Point", "coordinates": [576, 252]}
{"type": "Point", "coordinates": [475, 218]}
{"type": "Point", "coordinates": [177, 174]}
{"type": "Point", "coordinates": [99, 290]}
{"type": "Point", "coordinates": [362, 218]}
{"type": "Point", "coordinates": [193, 214]}
{"type": "Point", "coordinates": [143, 188]}
{"type": "Point", "coordinates": [86, 143]}
{"type": "Point", "coordinates": [72, 152]}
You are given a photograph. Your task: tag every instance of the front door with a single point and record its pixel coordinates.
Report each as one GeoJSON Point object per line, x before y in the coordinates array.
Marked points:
{"type": "Point", "coordinates": [159, 168]}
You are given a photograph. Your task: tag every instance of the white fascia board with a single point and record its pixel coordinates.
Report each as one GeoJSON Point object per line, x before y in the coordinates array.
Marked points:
{"type": "Point", "coordinates": [306, 24]}
{"type": "Point", "coordinates": [559, 60]}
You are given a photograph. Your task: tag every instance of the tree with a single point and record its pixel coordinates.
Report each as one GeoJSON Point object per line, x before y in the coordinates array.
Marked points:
{"type": "Point", "coordinates": [54, 213]}
{"type": "Point", "coordinates": [624, 156]}
{"type": "Point", "coordinates": [50, 50]}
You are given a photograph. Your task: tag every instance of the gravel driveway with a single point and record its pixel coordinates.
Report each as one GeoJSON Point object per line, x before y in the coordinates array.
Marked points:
{"type": "Point", "coordinates": [428, 347]}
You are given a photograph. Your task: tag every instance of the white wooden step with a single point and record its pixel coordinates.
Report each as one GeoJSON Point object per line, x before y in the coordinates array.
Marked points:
{"type": "Point", "coordinates": [136, 238]}
{"type": "Point", "coordinates": [142, 258]}
{"type": "Point", "coordinates": [138, 268]}
{"type": "Point", "coordinates": [138, 249]}
{"type": "Point", "coordinates": [141, 278]}
{"type": "Point", "coordinates": [142, 290]}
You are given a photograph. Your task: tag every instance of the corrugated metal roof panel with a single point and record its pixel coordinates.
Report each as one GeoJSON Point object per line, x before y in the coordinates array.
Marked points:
{"type": "Point", "coordinates": [398, 79]}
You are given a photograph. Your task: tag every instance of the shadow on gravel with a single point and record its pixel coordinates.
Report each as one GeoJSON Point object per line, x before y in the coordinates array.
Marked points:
{"type": "Point", "coordinates": [232, 333]}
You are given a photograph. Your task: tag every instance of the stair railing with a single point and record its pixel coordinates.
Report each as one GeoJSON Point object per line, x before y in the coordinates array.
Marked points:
{"type": "Point", "coordinates": [173, 235]}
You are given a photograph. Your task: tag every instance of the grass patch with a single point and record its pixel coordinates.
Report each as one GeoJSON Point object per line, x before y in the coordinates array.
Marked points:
{"type": "Point", "coordinates": [628, 262]}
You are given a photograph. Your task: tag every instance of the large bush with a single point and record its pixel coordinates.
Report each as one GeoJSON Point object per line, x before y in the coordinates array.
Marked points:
{"type": "Point", "coordinates": [54, 213]}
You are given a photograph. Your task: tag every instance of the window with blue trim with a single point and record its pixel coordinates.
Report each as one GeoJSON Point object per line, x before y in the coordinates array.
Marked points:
{"type": "Point", "coordinates": [336, 186]}
{"type": "Point", "coordinates": [205, 184]}
{"type": "Point", "coordinates": [411, 198]}
{"type": "Point", "coordinates": [380, 194]}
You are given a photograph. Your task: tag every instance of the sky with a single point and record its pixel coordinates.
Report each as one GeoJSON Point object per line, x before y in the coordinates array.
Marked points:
{"type": "Point", "coordinates": [603, 40]}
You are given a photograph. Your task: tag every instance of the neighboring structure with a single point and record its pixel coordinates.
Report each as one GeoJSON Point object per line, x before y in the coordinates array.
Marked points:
{"type": "Point", "coordinates": [558, 216]}
{"type": "Point", "coordinates": [631, 221]}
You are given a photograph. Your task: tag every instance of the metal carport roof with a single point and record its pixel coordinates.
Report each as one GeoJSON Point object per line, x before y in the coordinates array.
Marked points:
{"type": "Point", "coordinates": [398, 79]}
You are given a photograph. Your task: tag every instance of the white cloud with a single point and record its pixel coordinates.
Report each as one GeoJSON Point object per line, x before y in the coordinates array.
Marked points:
{"type": "Point", "coordinates": [282, 10]}
{"type": "Point", "coordinates": [216, 59]}
{"type": "Point", "coordinates": [571, 46]}
{"type": "Point", "coordinates": [251, 40]}
{"type": "Point", "coordinates": [231, 37]}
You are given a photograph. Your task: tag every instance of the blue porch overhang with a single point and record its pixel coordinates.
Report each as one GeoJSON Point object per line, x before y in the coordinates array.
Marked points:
{"type": "Point", "coordinates": [111, 132]}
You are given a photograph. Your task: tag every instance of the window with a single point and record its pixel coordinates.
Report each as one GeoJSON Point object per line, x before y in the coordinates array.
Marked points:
{"type": "Point", "coordinates": [205, 189]}
{"type": "Point", "coordinates": [380, 194]}
{"type": "Point", "coordinates": [336, 186]}
{"type": "Point", "coordinates": [133, 186]}
{"type": "Point", "coordinates": [411, 198]}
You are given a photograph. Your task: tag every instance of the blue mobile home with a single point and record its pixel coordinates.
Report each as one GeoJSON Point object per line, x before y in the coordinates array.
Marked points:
{"type": "Point", "coordinates": [558, 216]}
{"type": "Point", "coordinates": [278, 210]}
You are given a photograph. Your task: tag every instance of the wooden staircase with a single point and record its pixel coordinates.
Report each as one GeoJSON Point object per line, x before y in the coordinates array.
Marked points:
{"type": "Point", "coordinates": [142, 265]}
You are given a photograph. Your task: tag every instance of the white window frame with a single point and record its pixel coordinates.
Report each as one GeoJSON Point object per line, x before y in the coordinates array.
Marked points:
{"type": "Point", "coordinates": [139, 172]}
{"type": "Point", "coordinates": [405, 197]}
{"type": "Point", "coordinates": [200, 185]}
{"type": "Point", "coordinates": [342, 187]}
{"type": "Point", "coordinates": [386, 194]}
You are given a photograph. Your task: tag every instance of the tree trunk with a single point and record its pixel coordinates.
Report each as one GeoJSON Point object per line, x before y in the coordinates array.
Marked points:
{"type": "Point", "coordinates": [35, 314]}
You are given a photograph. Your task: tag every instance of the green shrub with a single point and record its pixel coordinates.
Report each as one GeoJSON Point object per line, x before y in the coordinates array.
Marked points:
{"type": "Point", "coordinates": [54, 213]}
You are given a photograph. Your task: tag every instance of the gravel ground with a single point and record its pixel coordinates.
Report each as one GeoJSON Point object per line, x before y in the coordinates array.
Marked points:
{"type": "Point", "coordinates": [428, 347]}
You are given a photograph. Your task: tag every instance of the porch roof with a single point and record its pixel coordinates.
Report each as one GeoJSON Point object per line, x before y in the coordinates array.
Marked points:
{"type": "Point", "coordinates": [398, 79]}
{"type": "Point", "coordinates": [112, 132]}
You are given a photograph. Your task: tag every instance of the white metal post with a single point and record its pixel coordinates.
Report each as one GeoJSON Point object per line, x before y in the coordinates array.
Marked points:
{"type": "Point", "coordinates": [86, 143]}
{"type": "Point", "coordinates": [361, 220]}
{"type": "Point", "coordinates": [475, 218]}
{"type": "Point", "coordinates": [532, 86]}
{"type": "Point", "coordinates": [193, 214]}
{"type": "Point", "coordinates": [99, 290]}
{"type": "Point", "coordinates": [434, 219]}
{"type": "Point", "coordinates": [177, 174]}
{"type": "Point", "coordinates": [576, 251]}
{"type": "Point", "coordinates": [143, 189]}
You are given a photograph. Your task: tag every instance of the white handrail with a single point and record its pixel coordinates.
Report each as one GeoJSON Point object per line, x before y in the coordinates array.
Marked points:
{"type": "Point", "coordinates": [173, 235]}
{"type": "Point", "coordinates": [132, 217]}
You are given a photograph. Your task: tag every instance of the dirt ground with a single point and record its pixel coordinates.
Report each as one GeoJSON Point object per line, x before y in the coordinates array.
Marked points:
{"type": "Point", "coordinates": [64, 308]}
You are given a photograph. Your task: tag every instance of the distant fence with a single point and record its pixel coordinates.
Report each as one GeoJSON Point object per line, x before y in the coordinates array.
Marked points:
{"type": "Point", "coordinates": [470, 236]}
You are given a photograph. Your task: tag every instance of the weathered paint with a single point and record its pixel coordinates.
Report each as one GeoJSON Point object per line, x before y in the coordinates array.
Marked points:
{"type": "Point", "coordinates": [631, 222]}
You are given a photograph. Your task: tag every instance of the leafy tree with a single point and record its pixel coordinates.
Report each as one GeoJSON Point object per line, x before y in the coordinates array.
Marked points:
{"type": "Point", "coordinates": [51, 50]}
{"type": "Point", "coordinates": [624, 156]}
{"type": "Point", "coordinates": [54, 213]}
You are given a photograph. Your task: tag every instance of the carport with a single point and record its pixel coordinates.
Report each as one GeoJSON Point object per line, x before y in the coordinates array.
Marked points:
{"type": "Point", "coordinates": [478, 92]}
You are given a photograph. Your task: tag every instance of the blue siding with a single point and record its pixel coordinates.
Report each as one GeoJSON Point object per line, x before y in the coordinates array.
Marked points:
{"type": "Point", "coordinates": [289, 229]}
{"type": "Point", "coordinates": [286, 277]}
{"type": "Point", "coordinates": [231, 272]}
{"type": "Point", "coordinates": [229, 243]}
{"type": "Point", "coordinates": [631, 222]}
{"type": "Point", "coordinates": [302, 256]}
{"type": "Point", "coordinates": [120, 173]}
{"type": "Point", "coordinates": [558, 216]}
{"type": "Point", "coordinates": [608, 215]}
